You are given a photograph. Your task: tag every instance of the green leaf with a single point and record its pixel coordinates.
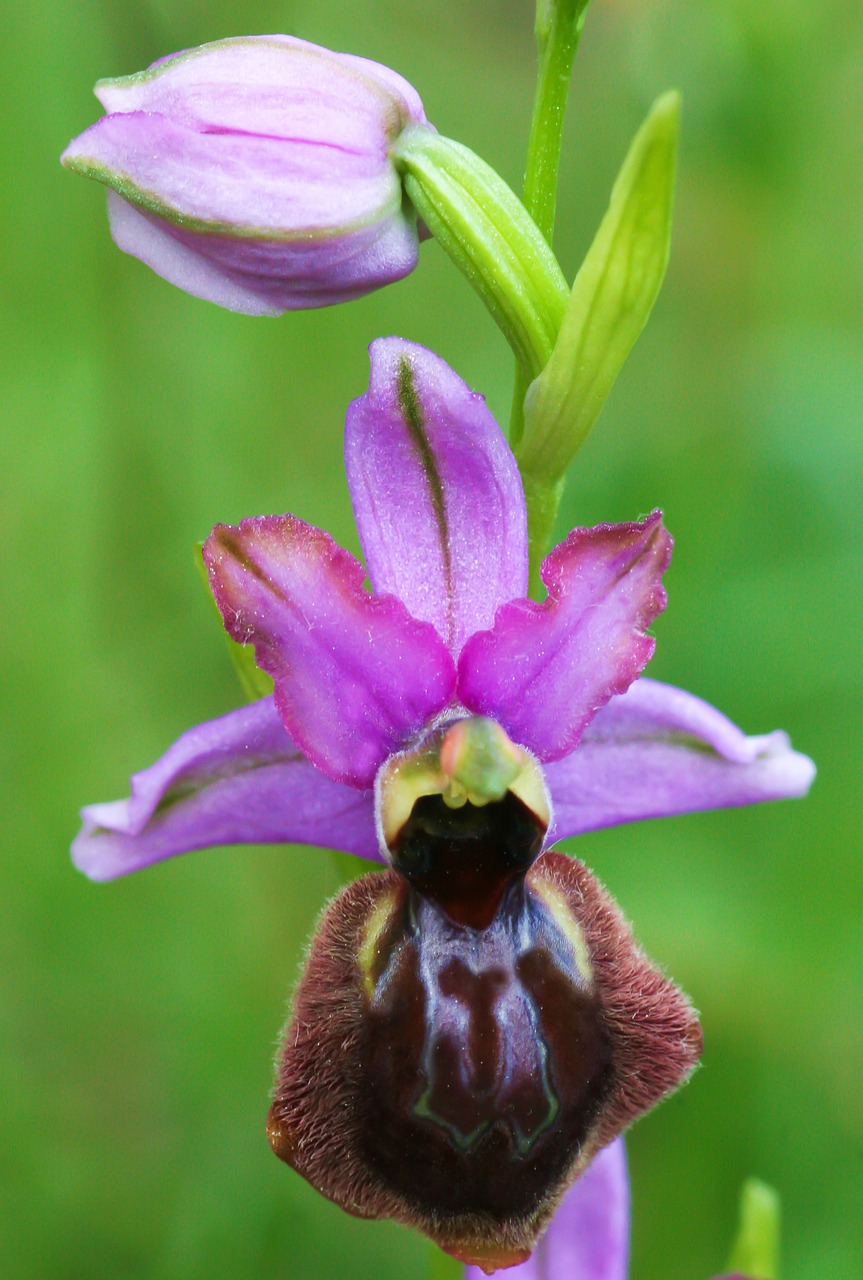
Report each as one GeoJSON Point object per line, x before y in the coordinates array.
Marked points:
{"type": "Point", "coordinates": [756, 1249]}
{"type": "Point", "coordinates": [610, 302]}
{"type": "Point", "coordinates": [254, 682]}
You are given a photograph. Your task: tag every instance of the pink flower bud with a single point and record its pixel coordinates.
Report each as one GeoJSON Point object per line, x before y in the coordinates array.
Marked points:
{"type": "Point", "coordinates": [256, 173]}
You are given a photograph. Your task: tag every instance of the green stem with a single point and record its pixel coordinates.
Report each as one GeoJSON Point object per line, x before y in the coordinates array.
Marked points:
{"type": "Point", "coordinates": [542, 498]}
{"type": "Point", "coordinates": [516, 414]}
{"type": "Point", "coordinates": [558, 30]}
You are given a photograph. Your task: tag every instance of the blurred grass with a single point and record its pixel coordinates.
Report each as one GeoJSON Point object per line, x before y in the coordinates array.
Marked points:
{"type": "Point", "coordinates": [139, 1018]}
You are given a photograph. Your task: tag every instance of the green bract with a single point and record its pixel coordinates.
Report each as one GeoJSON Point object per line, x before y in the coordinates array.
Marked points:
{"type": "Point", "coordinates": [490, 236]}
{"type": "Point", "coordinates": [756, 1249]}
{"type": "Point", "coordinates": [610, 302]}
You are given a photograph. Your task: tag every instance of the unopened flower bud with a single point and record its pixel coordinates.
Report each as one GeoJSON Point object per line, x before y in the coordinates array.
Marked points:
{"type": "Point", "coordinates": [256, 173]}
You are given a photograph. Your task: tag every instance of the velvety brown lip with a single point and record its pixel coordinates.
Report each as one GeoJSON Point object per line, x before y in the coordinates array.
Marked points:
{"type": "Point", "coordinates": [458, 1078]}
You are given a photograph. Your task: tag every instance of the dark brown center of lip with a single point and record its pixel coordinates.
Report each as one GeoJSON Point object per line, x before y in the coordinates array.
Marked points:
{"type": "Point", "coordinates": [483, 1046]}
{"type": "Point", "coordinates": [464, 860]}
{"type": "Point", "coordinates": [484, 1051]}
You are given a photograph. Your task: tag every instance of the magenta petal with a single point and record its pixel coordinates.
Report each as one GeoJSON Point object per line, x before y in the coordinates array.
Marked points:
{"type": "Point", "coordinates": [436, 493]}
{"type": "Point", "coordinates": [356, 676]}
{"type": "Point", "coordinates": [235, 780]}
{"type": "Point", "coordinates": [588, 1238]}
{"type": "Point", "coordinates": [544, 670]}
{"type": "Point", "coordinates": [657, 751]}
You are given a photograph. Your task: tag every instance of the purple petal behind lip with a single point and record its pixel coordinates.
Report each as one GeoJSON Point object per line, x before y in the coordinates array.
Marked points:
{"type": "Point", "coordinates": [236, 780]}
{"type": "Point", "coordinates": [588, 1237]}
{"type": "Point", "coordinates": [436, 493]}
{"type": "Point", "coordinates": [544, 670]}
{"type": "Point", "coordinates": [356, 676]}
{"type": "Point", "coordinates": [657, 751]}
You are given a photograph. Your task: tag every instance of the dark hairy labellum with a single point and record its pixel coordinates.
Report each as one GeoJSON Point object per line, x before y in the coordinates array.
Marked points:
{"type": "Point", "coordinates": [471, 1027]}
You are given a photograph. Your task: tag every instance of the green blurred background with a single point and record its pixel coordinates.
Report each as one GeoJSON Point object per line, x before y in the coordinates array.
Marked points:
{"type": "Point", "coordinates": [139, 1018]}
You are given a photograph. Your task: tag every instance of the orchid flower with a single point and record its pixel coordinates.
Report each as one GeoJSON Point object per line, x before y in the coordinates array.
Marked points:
{"type": "Point", "coordinates": [438, 503]}
{"type": "Point", "coordinates": [475, 1022]}
{"type": "Point", "coordinates": [256, 173]}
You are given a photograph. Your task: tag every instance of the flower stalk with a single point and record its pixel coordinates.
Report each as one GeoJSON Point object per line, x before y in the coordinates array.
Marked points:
{"type": "Point", "coordinates": [558, 30]}
{"type": "Point", "coordinates": [542, 500]}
